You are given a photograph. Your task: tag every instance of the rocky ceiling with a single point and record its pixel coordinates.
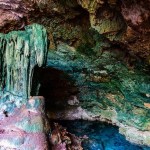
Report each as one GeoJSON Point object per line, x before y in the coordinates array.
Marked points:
{"type": "Point", "coordinates": [124, 21]}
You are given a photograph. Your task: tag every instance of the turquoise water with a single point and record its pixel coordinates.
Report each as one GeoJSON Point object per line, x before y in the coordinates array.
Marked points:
{"type": "Point", "coordinates": [101, 136]}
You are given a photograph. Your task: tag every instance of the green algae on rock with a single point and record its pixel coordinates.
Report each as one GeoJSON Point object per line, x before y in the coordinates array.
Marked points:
{"type": "Point", "coordinates": [109, 90]}
{"type": "Point", "coordinates": [23, 119]}
{"type": "Point", "coordinates": [20, 52]}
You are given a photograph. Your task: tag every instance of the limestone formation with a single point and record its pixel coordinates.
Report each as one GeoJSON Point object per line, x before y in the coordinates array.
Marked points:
{"type": "Point", "coordinates": [88, 58]}
{"type": "Point", "coordinates": [20, 52]}
{"type": "Point", "coordinates": [105, 17]}
{"type": "Point", "coordinates": [109, 90]}
{"type": "Point", "coordinates": [23, 120]}
{"type": "Point", "coordinates": [25, 127]}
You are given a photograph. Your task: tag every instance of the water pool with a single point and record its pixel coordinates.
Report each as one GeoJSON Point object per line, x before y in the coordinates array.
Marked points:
{"type": "Point", "coordinates": [101, 136]}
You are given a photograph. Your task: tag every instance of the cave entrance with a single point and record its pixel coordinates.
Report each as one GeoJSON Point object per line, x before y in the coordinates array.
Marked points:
{"type": "Point", "coordinates": [54, 85]}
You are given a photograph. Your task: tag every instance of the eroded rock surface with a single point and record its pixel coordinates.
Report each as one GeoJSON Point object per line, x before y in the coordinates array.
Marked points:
{"type": "Point", "coordinates": [105, 17]}
{"type": "Point", "coordinates": [13, 14]}
{"type": "Point", "coordinates": [109, 88]}
{"type": "Point", "coordinates": [69, 21]}
{"type": "Point", "coordinates": [61, 139]}
{"type": "Point", "coordinates": [20, 52]}
{"type": "Point", "coordinates": [23, 122]}
{"type": "Point", "coordinates": [105, 62]}
{"type": "Point", "coordinates": [25, 127]}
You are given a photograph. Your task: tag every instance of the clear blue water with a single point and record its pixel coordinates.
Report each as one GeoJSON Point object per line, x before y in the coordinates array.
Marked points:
{"type": "Point", "coordinates": [101, 136]}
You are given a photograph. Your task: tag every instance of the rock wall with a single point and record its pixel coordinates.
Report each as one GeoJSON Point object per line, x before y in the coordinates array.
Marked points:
{"type": "Point", "coordinates": [105, 17]}
{"type": "Point", "coordinates": [26, 127]}
{"type": "Point", "coordinates": [69, 21]}
{"type": "Point", "coordinates": [110, 89]}
{"type": "Point", "coordinates": [20, 52]}
{"type": "Point", "coordinates": [105, 61]}
{"type": "Point", "coordinates": [23, 122]}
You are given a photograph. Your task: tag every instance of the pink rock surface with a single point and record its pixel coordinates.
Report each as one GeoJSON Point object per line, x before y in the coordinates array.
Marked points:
{"type": "Point", "coordinates": [25, 130]}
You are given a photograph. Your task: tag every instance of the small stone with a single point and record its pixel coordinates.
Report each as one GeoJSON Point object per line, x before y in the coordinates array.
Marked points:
{"type": "Point", "coordinates": [147, 105]}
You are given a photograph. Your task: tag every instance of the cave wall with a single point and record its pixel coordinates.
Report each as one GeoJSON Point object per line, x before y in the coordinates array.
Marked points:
{"type": "Point", "coordinates": [23, 121]}
{"type": "Point", "coordinates": [20, 52]}
{"type": "Point", "coordinates": [109, 90]}
{"type": "Point", "coordinates": [69, 21]}
{"type": "Point", "coordinates": [98, 43]}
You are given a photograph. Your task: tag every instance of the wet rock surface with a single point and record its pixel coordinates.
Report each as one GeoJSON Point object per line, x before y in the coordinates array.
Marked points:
{"type": "Point", "coordinates": [61, 139]}
{"type": "Point", "coordinates": [103, 48]}
{"type": "Point", "coordinates": [109, 88]}
{"type": "Point", "coordinates": [99, 136]}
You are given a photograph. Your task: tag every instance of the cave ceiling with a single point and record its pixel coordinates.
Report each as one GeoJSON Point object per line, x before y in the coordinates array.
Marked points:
{"type": "Point", "coordinates": [124, 21]}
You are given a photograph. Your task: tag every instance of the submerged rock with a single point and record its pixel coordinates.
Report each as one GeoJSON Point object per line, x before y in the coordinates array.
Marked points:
{"type": "Point", "coordinates": [61, 139]}
{"type": "Point", "coordinates": [101, 136]}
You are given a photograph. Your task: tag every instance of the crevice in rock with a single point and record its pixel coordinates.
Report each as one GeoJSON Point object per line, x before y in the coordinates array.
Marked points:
{"type": "Point", "coordinates": [54, 85]}
{"type": "Point", "coordinates": [98, 77]}
{"type": "Point", "coordinates": [64, 22]}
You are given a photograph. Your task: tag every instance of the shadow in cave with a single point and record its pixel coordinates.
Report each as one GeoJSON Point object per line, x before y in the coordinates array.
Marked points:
{"type": "Point", "coordinates": [54, 85]}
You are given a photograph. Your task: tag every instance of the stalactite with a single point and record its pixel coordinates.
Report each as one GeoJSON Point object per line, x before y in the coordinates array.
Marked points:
{"type": "Point", "coordinates": [20, 52]}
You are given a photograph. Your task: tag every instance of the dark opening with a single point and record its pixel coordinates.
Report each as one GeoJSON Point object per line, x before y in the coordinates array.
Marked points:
{"type": "Point", "coordinates": [55, 86]}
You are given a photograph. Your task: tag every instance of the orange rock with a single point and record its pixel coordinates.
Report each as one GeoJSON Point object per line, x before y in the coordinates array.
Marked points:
{"type": "Point", "coordinates": [111, 97]}
{"type": "Point", "coordinates": [147, 105]}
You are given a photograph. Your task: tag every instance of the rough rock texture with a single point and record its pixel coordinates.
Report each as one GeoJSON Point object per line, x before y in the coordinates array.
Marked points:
{"type": "Point", "coordinates": [61, 139]}
{"type": "Point", "coordinates": [69, 20]}
{"type": "Point", "coordinates": [105, 17]}
{"type": "Point", "coordinates": [137, 15]}
{"type": "Point", "coordinates": [20, 52]}
{"type": "Point", "coordinates": [13, 14]}
{"type": "Point", "coordinates": [22, 121]}
{"type": "Point", "coordinates": [109, 89]}
{"type": "Point", "coordinates": [102, 136]}
{"type": "Point", "coordinates": [25, 126]}
{"type": "Point", "coordinates": [111, 83]}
